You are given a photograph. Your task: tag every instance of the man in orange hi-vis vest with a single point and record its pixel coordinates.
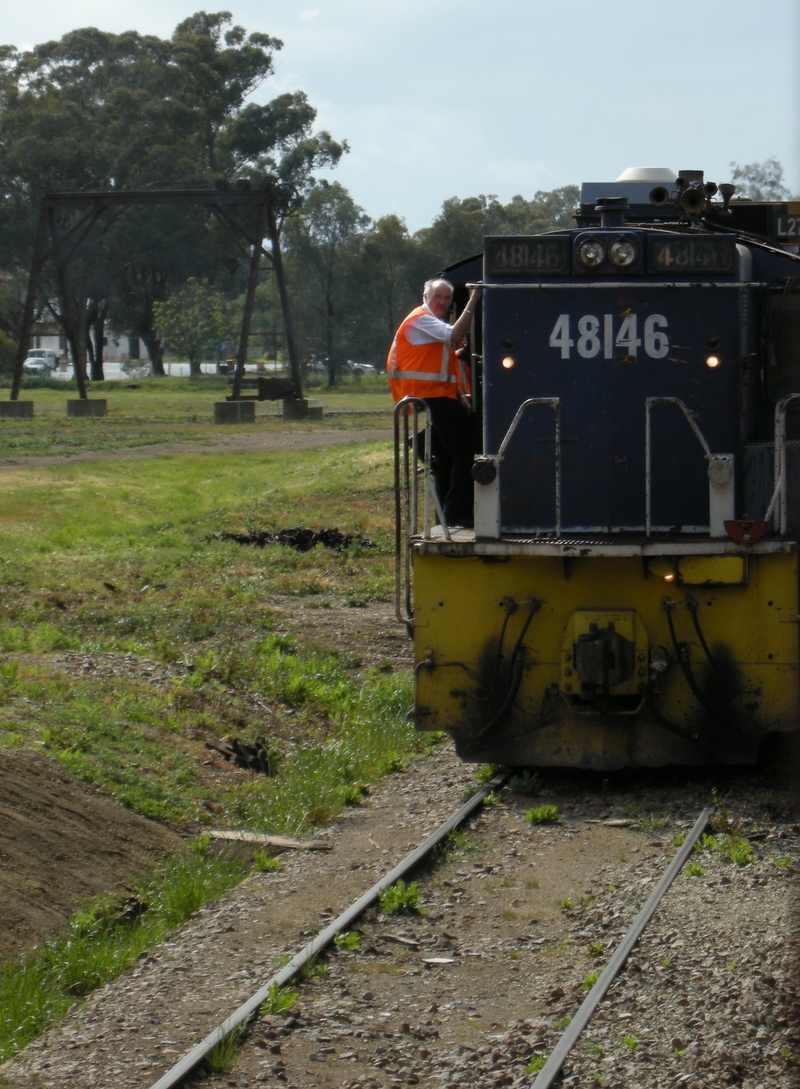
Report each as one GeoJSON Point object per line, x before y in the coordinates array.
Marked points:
{"type": "Point", "coordinates": [423, 363]}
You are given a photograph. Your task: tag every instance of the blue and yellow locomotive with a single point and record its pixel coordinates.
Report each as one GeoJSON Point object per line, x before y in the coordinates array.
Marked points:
{"type": "Point", "coordinates": [629, 594]}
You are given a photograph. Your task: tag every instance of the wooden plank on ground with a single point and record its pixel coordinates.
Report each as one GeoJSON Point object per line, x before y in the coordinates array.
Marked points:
{"type": "Point", "coordinates": [262, 840]}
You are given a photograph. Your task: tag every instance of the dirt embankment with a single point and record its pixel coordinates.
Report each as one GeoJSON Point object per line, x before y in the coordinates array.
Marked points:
{"type": "Point", "coordinates": [61, 842]}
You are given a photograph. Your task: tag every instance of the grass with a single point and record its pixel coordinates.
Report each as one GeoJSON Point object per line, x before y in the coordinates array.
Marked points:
{"type": "Point", "coordinates": [348, 940]}
{"type": "Point", "coordinates": [694, 869]}
{"type": "Point", "coordinates": [401, 899]}
{"type": "Point", "coordinates": [278, 1000]}
{"type": "Point", "coordinates": [146, 575]}
{"type": "Point", "coordinates": [731, 846]}
{"type": "Point", "coordinates": [735, 850]}
{"type": "Point", "coordinates": [171, 410]}
{"type": "Point", "coordinates": [590, 981]}
{"type": "Point", "coordinates": [536, 1064]}
{"type": "Point", "coordinates": [458, 845]}
{"type": "Point", "coordinates": [264, 863]}
{"type": "Point", "coordinates": [525, 783]}
{"type": "Point", "coordinates": [543, 814]}
{"type": "Point", "coordinates": [221, 1056]}
{"type": "Point", "coordinates": [125, 566]}
{"type": "Point", "coordinates": [103, 940]}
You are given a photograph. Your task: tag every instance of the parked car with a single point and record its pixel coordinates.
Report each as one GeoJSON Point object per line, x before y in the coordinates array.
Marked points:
{"type": "Point", "coordinates": [360, 368]}
{"type": "Point", "coordinates": [40, 361]}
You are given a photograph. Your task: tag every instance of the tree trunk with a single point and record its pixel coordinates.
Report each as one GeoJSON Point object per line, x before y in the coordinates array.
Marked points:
{"type": "Point", "coordinates": [194, 365]}
{"type": "Point", "coordinates": [98, 369]}
{"type": "Point", "coordinates": [155, 353]}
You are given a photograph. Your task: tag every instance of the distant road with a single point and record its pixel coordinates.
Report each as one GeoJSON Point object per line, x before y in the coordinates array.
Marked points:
{"type": "Point", "coordinates": [235, 444]}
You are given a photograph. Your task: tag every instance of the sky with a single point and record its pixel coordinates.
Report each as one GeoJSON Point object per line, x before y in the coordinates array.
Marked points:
{"type": "Point", "coordinates": [461, 97]}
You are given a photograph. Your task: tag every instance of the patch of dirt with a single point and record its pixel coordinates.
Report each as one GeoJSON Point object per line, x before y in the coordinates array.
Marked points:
{"type": "Point", "coordinates": [367, 635]}
{"type": "Point", "coordinates": [261, 441]}
{"type": "Point", "coordinates": [300, 539]}
{"type": "Point", "coordinates": [62, 842]}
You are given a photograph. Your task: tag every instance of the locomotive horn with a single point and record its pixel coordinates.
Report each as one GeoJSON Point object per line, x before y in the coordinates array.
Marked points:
{"type": "Point", "coordinates": [726, 190]}
{"type": "Point", "coordinates": [659, 196]}
{"type": "Point", "coordinates": [693, 200]}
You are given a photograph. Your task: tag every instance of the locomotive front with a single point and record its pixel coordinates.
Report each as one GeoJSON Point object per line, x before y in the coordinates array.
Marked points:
{"type": "Point", "coordinates": [629, 595]}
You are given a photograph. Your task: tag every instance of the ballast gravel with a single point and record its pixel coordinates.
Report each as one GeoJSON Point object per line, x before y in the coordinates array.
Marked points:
{"type": "Point", "coordinates": [518, 919]}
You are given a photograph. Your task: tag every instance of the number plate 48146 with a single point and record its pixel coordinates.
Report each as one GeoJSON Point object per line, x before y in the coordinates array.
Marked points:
{"type": "Point", "coordinates": [611, 336]}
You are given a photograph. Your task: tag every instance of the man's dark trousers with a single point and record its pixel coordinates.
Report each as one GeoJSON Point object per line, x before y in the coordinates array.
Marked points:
{"type": "Point", "coordinates": [455, 442]}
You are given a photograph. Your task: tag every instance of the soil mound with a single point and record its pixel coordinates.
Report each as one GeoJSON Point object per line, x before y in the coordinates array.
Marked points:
{"type": "Point", "coordinates": [61, 842]}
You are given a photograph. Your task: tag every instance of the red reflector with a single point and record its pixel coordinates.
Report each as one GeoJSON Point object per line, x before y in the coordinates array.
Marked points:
{"type": "Point", "coordinates": [745, 532]}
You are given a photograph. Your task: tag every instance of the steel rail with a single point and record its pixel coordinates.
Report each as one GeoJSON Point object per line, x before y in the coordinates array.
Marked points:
{"type": "Point", "coordinates": [179, 1071]}
{"type": "Point", "coordinates": [550, 1070]}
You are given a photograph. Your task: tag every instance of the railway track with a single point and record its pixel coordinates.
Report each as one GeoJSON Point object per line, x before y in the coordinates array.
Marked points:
{"type": "Point", "coordinates": [552, 1068]}
{"type": "Point", "coordinates": [479, 990]}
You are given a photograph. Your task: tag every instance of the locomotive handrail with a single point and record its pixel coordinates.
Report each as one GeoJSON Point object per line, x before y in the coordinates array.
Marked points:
{"type": "Point", "coordinates": [690, 416]}
{"type": "Point", "coordinates": [406, 499]}
{"type": "Point", "coordinates": [555, 404]}
{"type": "Point", "coordinates": [779, 502]}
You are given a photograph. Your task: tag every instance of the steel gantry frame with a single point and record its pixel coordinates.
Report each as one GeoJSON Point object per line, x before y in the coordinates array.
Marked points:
{"type": "Point", "coordinates": [273, 202]}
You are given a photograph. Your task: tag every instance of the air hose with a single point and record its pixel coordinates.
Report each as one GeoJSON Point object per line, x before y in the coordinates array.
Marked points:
{"type": "Point", "coordinates": [516, 667]}
{"type": "Point", "coordinates": [693, 606]}
{"type": "Point", "coordinates": [657, 667]}
{"type": "Point", "coordinates": [682, 654]}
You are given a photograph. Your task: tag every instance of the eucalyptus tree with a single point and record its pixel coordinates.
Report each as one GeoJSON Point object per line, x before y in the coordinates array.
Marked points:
{"type": "Point", "coordinates": [96, 110]}
{"type": "Point", "coordinates": [323, 242]}
{"type": "Point", "coordinates": [760, 181]}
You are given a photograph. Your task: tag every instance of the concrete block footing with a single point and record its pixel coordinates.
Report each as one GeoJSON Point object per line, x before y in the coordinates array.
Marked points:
{"type": "Point", "coordinates": [17, 410]}
{"type": "Point", "coordinates": [96, 407]}
{"type": "Point", "coordinates": [234, 412]}
{"type": "Point", "coordinates": [297, 409]}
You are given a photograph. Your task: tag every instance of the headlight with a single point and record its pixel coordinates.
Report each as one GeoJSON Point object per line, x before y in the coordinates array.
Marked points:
{"type": "Point", "coordinates": [591, 253]}
{"type": "Point", "coordinates": [622, 253]}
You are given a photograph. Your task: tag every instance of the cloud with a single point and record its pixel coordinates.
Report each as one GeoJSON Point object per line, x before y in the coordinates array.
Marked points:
{"type": "Point", "coordinates": [308, 15]}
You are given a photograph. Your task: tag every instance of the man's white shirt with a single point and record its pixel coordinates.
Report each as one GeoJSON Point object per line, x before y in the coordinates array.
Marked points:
{"type": "Point", "coordinates": [428, 329]}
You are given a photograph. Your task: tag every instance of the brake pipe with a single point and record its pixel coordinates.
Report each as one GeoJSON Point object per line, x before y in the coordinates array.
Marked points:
{"type": "Point", "coordinates": [249, 1008]}
{"type": "Point", "coordinates": [550, 1070]}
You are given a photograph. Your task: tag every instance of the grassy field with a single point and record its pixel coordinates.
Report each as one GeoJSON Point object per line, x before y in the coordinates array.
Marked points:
{"type": "Point", "coordinates": [171, 410]}
{"type": "Point", "coordinates": [132, 631]}
{"type": "Point", "coordinates": [104, 559]}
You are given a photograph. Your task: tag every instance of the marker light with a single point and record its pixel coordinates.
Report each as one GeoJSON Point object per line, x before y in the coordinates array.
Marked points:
{"type": "Point", "coordinates": [591, 253]}
{"type": "Point", "coordinates": [713, 361]}
{"type": "Point", "coordinates": [508, 362]}
{"type": "Point", "coordinates": [662, 567]}
{"type": "Point", "coordinates": [622, 253]}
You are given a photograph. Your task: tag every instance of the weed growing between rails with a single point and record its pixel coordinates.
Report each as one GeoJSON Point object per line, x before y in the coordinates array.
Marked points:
{"type": "Point", "coordinates": [105, 939]}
